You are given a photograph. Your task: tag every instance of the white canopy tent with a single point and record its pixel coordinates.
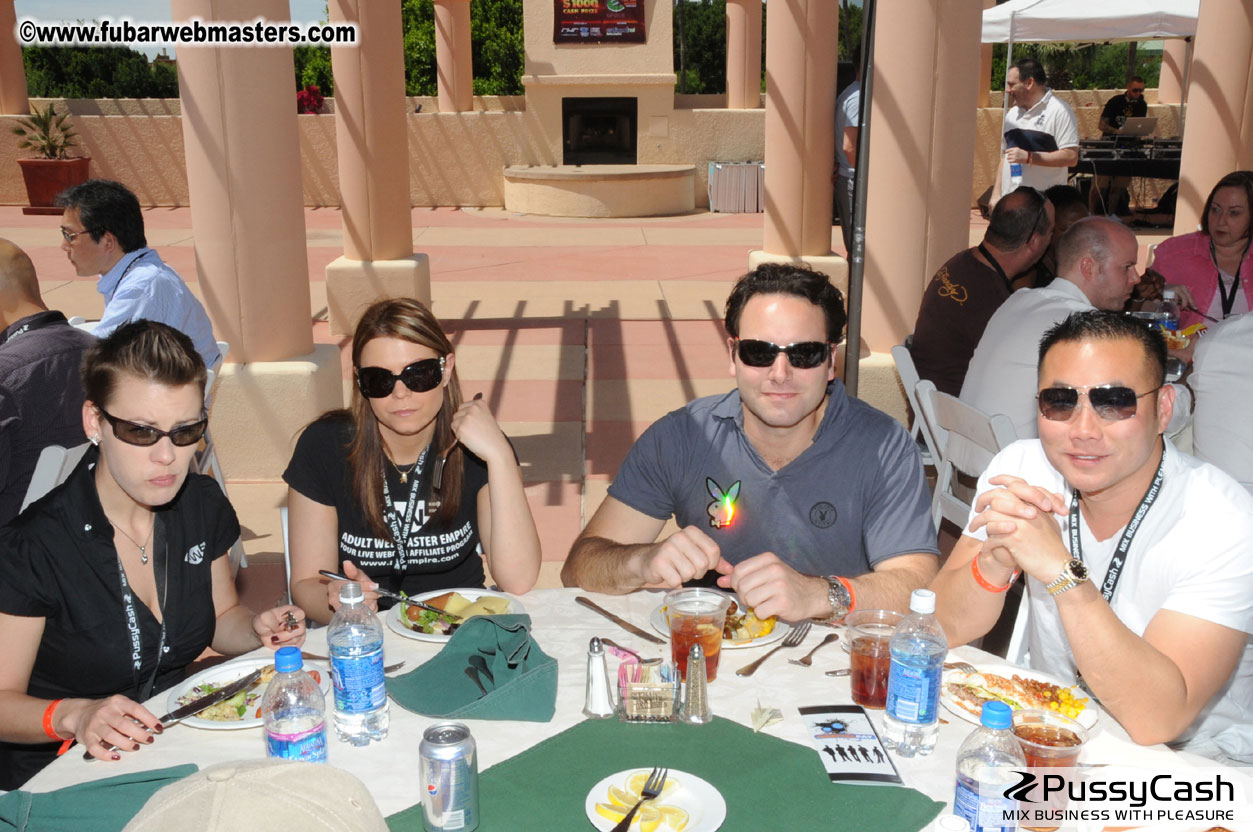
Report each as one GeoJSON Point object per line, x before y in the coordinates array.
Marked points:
{"type": "Point", "coordinates": [1037, 21]}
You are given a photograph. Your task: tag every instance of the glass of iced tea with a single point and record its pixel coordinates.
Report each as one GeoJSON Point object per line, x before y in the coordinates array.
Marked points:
{"type": "Point", "coordinates": [869, 634]}
{"type": "Point", "coordinates": [1049, 740]}
{"type": "Point", "coordinates": [696, 615]}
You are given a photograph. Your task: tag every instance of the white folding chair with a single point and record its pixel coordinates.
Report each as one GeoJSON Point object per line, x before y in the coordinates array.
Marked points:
{"type": "Point", "coordinates": [79, 322]}
{"type": "Point", "coordinates": [54, 465]}
{"type": "Point", "coordinates": [966, 440]}
{"type": "Point", "coordinates": [1018, 652]}
{"type": "Point", "coordinates": [909, 380]}
{"type": "Point", "coordinates": [206, 459]}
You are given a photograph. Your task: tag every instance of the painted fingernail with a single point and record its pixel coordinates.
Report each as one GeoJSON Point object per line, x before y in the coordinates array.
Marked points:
{"type": "Point", "coordinates": [274, 639]}
{"type": "Point", "coordinates": [150, 740]}
{"type": "Point", "coordinates": [115, 756]}
{"type": "Point", "coordinates": [136, 748]}
{"type": "Point", "coordinates": [159, 728]}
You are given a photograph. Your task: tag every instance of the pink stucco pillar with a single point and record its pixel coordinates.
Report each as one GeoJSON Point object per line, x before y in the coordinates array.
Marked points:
{"type": "Point", "coordinates": [1219, 127]}
{"type": "Point", "coordinates": [1174, 67]}
{"type": "Point", "coordinates": [800, 133]}
{"type": "Point", "coordinates": [12, 72]}
{"type": "Point", "coordinates": [984, 87]}
{"type": "Point", "coordinates": [243, 176]}
{"type": "Point", "coordinates": [743, 54]}
{"type": "Point", "coordinates": [452, 56]}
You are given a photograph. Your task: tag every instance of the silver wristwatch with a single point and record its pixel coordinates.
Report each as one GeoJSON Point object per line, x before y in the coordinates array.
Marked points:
{"type": "Point", "coordinates": [838, 597]}
{"type": "Point", "coordinates": [1074, 572]}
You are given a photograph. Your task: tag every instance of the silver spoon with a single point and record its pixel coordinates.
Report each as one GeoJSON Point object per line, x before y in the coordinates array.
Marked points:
{"type": "Point", "coordinates": [808, 658]}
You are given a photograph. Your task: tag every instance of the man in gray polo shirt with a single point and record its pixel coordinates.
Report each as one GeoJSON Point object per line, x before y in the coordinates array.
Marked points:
{"type": "Point", "coordinates": [803, 500]}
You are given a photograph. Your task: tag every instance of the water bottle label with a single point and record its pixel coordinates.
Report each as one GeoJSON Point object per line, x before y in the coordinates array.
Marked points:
{"type": "Point", "coordinates": [986, 809]}
{"type": "Point", "coordinates": [913, 693]}
{"type": "Point", "coordinates": [305, 746]}
{"type": "Point", "coordinates": [359, 684]}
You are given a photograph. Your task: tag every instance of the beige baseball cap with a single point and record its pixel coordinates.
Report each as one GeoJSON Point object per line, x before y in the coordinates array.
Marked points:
{"type": "Point", "coordinates": [274, 795]}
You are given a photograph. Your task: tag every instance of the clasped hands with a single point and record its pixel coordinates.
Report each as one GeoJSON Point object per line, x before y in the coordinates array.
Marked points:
{"type": "Point", "coordinates": [1021, 532]}
{"type": "Point", "coordinates": [763, 582]}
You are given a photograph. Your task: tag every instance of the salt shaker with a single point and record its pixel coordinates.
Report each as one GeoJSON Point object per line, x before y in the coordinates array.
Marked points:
{"type": "Point", "coordinates": [598, 703]}
{"type": "Point", "coordinates": [696, 700]}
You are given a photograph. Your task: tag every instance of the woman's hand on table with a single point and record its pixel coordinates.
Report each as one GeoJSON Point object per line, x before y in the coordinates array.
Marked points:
{"type": "Point", "coordinates": [368, 586]}
{"type": "Point", "coordinates": [106, 726]}
{"type": "Point", "coordinates": [283, 626]}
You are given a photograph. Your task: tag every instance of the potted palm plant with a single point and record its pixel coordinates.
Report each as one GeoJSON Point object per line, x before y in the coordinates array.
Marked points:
{"type": "Point", "coordinates": [52, 170]}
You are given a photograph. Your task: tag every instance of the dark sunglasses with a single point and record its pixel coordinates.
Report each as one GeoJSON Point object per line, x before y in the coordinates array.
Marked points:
{"type": "Point", "coordinates": [144, 436]}
{"type": "Point", "coordinates": [1111, 403]}
{"type": "Point", "coordinates": [803, 355]}
{"type": "Point", "coordinates": [420, 376]}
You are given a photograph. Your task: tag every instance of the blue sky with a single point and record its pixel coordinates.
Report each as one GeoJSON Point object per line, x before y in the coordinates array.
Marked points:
{"type": "Point", "coordinates": [146, 10]}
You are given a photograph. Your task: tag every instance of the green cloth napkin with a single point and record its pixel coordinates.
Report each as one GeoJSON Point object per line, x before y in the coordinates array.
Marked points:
{"type": "Point", "coordinates": [100, 806]}
{"type": "Point", "coordinates": [767, 783]}
{"type": "Point", "coordinates": [520, 678]}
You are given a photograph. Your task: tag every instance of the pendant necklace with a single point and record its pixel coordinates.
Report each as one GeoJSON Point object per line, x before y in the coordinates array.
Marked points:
{"type": "Point", "coordinates": [143, 550]}
{"type": "Point", "coordinates": [404, 472]}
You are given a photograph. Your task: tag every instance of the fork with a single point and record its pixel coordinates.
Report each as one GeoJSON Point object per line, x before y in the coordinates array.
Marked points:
{"type": "Point", "coordinates": [792, 639]}
{"type": "Point", "coordinates": [964, 667]}
{"type": "Point", "coordinates": [652, 787]}
{"type": "Point", "coordinates": [391, 668]}
{"type": "Point", "coordinates": [808, 658]}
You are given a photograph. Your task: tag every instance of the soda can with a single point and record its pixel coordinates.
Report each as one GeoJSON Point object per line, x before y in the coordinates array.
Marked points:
{"type": "Point", "coordinates": [449, 776]}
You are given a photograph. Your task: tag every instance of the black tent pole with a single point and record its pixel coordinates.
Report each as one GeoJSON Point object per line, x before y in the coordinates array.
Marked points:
{"type": "Point", "coordinates": [857, 257]}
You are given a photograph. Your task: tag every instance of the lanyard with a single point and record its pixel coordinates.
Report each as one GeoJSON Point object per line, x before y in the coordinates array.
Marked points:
{"type": "Point", "coordinates": [36, 321]}
{"type": "Point", "coordinates": [1228, 300]}
{"type": "Point", "coordinates": [1008, 284]}
{"type": "Point", "coordinates": [132, 620]}
{"type": "Point", "coordinates": [400, 533]}
{"type": "Point", "coordinates": [1114, 573]}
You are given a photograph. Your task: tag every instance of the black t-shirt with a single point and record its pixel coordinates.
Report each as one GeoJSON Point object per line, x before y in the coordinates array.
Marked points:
{"type": "Point", "coordinates": [58, 562]}
{"type": "Point", "coordinates": [436, 555]}
{"type": "Point", "coordinates": [1120, 108]}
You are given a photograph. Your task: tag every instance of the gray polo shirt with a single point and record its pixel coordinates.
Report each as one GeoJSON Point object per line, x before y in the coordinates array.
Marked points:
{"type": "Point", "coordinates": [856, 497]}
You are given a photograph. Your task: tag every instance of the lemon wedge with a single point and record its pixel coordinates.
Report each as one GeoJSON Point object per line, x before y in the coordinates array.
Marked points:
{"type": "Point", "coordinates": [647, 818]}
{"type": "Point", "coordinates": [673, 817]}
{"type": "Point", "coordinates": [635, 785]}
{"type": "Point", "coordinates": [622, 797]}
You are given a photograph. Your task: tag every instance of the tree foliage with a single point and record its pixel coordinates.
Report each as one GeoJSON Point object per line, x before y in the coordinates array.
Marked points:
{"type": "Point", "coordinates": [496, 46]}
{"type": "Point", "coordinates": [1081, 66]}
{"type": "Point", "coordinates": [313, 68]}
{"type": "Point", "coordinates": [96, 72]}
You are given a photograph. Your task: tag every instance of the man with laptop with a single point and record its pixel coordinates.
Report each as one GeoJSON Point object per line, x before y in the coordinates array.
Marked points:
{"type": "Point", "coordinates": [1124, 115]}
{"type": "Point", "coordinates": [1129, 104]}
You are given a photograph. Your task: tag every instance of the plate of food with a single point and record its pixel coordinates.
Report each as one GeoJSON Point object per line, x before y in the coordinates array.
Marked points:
{"type": "Point", "coordinates": [742, 629]}
{"type": "Point", "coordinates": [965, 693]}
{"type": "Point", "coordinates": [687, 802]}
{"type": "Point", "coordinates": [243, 710]}
{"type": "Point", "coordinates": [424, 625]}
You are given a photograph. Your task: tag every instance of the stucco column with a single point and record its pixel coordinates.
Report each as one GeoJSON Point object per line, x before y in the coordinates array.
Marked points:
{"type": "Point", "coordinates": [243, 177]}
{"type": "Point", "coordinates": [1174, 62]}
{"type": "Point", "coordinates": [12, 72]}
{"type": "Point", "coordinates": [743, 54]}
{"type": "Point", "coordinates": [371, 131]}
{"type": "Point", "coordinates": [452, 56]}
{"type": "Point", "coordinates": [800, 135]}
{"type": "Point", "coordinates": [902, 117]}
{"type": "Point", "coordinates": [985, 65]}
{"type": "Point", "coordinates": [1218, 99]}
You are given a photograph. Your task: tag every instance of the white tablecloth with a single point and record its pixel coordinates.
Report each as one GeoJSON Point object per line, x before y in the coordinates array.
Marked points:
{"type": "Point", "coordinates": [563, 629]}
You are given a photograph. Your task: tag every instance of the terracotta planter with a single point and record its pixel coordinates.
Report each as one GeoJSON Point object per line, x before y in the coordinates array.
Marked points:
{"type": "Point", "coordinates": [45, 178]}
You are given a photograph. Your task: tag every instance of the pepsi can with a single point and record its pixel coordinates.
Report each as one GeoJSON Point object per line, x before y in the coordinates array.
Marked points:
{"type": "Point", "coordinates": [449, 777]}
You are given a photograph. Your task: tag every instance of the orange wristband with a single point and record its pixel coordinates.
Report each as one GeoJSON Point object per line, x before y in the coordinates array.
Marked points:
{"type": "Point", "coordinates": [852, 596]}
{"type": "Point", "coordinates": [47, 725]}
{"type": "Point", "coordinates": [983, 582]}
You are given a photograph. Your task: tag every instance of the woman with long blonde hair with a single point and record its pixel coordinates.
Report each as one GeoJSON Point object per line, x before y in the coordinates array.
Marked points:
{"type": "Point", "coordinates": [410, 488]}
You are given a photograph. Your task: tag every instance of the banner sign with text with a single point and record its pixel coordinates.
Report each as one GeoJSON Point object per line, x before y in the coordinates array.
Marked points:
{"type": "Point", "coordinates": [598, 21]}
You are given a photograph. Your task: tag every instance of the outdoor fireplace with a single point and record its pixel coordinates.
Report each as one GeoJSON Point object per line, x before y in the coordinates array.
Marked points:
{"type": "Point", "coordinates": [598, 131]}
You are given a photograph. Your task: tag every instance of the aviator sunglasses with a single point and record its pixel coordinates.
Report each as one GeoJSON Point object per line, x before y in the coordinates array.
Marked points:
{"type": "Point", "coordinates": [803, 355]}
{"type": "Point", "coordinates": [133, 433]}
{"type": "Point", "coordinates": [1112, 403]}
{"type": "Point", "coordinates": [420, 376]}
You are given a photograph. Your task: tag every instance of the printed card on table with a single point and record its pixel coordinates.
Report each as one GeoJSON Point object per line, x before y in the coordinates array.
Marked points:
{"type": "Point", "coordinates": [848, 745]}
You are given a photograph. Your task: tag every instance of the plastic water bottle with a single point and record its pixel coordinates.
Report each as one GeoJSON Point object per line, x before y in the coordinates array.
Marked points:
{"type": "Point", "coordinates": [1015, 175]}
{"type": "Point", "coordinates": [294, 711]}
{"type": "Point", "coordinates": [985, 769]}
{"type": "Point", "coordinates": [1170, 309]}
{"type": "Point", "coordinates": [918, 648]}
{"type": "Point", "coordinates": [355, 639]}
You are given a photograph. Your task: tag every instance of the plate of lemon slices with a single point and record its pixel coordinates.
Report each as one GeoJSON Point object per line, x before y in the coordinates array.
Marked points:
{"type": "Point", "coordinates": [686, 803]}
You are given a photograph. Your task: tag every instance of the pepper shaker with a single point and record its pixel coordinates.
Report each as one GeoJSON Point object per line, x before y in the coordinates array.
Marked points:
{"type": "Point", "coordinates": [696, 697]}
{"type": "Point", "coordinates": [598, 702]}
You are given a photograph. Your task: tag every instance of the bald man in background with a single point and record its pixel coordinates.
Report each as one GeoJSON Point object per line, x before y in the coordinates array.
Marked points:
{"type": "Point", "coordinates": [41, 389]}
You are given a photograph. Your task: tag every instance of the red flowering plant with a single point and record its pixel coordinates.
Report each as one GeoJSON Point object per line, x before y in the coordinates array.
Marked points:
{"type": "Point", "coordinates": [309, 100]}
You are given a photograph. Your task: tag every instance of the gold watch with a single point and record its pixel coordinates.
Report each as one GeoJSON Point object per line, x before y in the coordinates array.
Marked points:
{"type": "Point", "coordinates": [1074, 572]}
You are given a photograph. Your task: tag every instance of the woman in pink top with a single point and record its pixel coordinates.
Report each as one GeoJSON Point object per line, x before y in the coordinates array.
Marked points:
{"type": "Point", "coordinates": [1214, 266]}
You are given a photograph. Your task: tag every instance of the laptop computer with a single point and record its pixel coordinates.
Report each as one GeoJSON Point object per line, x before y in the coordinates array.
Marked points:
{"type": "Point", "coordinates": [1139, 126]}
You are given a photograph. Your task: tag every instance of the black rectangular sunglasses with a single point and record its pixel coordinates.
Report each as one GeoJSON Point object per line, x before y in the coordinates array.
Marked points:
{"type": "Point", "coordinates": [1112, 403]}
{"type": "Point", "coordinates": [420, 376]}
{"type": "Point", "coordinates": [803, 355]}
{"type": "Point", "coordinates": [133, 433]}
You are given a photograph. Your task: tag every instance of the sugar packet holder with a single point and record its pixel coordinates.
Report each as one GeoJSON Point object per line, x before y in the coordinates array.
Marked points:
{"type": "Point", "coordinates": [648, 691]}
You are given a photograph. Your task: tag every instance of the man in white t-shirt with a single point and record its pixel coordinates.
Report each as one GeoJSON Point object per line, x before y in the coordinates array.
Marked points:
{"type": "Point", "coordinates": [1139, 559]}
{"type": "Point", "coordinates": [1096, 264]}
{"type": "Point", "coordinates": [1223, 389]}
{"type": "Point", "coordinates": [1039, 132]}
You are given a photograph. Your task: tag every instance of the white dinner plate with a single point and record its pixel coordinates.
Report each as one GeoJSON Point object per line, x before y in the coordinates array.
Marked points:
{"type": "Point", "coordinates": [393, 615]}
{"type": "Point", "coordinates": [224, 674]}
{"type": "Point", "coordinates": [1087, 718]}
{"type": "Point", "coordinates": [781, 628]}
{"type": "Point", "coordinates": [704, 805]}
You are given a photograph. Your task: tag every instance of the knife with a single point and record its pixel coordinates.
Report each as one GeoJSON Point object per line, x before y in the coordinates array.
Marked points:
{"type": "Point", "coordinates": [626, 625]}
{"type": "Point", "coordinates": [197, 705]}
